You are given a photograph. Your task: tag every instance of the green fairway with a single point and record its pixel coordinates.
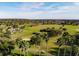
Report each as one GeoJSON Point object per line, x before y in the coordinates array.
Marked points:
{"type": "Point", "coordinates": [27, 32]}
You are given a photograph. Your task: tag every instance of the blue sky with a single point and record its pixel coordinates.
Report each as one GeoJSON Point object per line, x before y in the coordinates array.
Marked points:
{"type": "Point", "coordinates": [39, 10]}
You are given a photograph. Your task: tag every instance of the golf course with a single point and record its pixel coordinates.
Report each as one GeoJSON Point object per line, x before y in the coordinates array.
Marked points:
{"type": "Point", "coordinates": [36, 39]}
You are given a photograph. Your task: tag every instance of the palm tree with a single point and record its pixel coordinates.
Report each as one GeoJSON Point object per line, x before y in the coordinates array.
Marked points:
{"type": "Point", "coordinates": [65, 36]}
{"type": "Point", "coordinates": [19, 42]}
{"type": "Point", "coordinates": [60, 43]}
{"type": "Point", "coordinates": [46, 40]}
{"type": "Point", "coordinates": [11, 45]}
{"type": "Point", "coordinates": [77, 54]}
{"type": "Point", "coordinates": [6, 46]}
{"type": "Point", "coordinates": [63, 41]}
{"type": "Point", "coordinates": [36, 39]}
{"type": "Point", "coordinates": [26, 47]}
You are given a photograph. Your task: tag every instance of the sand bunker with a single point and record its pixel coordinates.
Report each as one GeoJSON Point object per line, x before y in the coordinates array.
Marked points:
{"type": "Point", "coordinates": [27, 39]}
{"type": "Point", "coordinates": [77, 29]}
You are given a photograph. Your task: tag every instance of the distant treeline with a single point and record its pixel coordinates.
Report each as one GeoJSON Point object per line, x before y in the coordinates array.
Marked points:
{"type": "Point", "coordinates": [41, 21]}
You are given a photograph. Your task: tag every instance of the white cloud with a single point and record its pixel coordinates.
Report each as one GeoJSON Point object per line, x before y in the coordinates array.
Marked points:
{"type": "Point", "coordinates": [76, 3]}
{"type": "Point", "coordinates": [29, 7]}
{"type": "Point", "coordinates": [49, 12]}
